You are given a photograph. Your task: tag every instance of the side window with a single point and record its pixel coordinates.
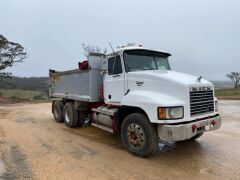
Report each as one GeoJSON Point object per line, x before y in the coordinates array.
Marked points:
{"type": "Point", "coordinates": [114, 65]}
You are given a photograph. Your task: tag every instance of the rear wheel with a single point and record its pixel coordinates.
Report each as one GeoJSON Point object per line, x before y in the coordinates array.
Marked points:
{"type": "Point", "coordinates": [70, 115]}
{"type": "Point", "coordinates": [138, 135]}
{"type": "Point", "coordinates": [57, 110]}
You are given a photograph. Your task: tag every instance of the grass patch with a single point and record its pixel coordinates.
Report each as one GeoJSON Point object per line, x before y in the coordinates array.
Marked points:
{"type": "Point", "coordinates": [227, 92]}
{"type": "Point", "coordinates": [23, 94]}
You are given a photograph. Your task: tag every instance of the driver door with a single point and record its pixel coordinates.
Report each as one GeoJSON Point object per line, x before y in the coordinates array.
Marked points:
{"type": "Point", "coordinates": [114, 81]}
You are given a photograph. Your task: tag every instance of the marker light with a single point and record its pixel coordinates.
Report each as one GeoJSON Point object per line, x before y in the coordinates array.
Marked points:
{"type": "Point", "coordinates": [162, 113]}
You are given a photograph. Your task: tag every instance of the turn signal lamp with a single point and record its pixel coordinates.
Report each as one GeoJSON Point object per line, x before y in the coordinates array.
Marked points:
{"type": "Point", "coordinates": [162, 113]}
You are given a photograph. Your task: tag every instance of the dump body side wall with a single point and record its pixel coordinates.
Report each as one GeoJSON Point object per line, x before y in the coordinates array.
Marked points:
{"type": "Point", "coordinates": [80, 85]}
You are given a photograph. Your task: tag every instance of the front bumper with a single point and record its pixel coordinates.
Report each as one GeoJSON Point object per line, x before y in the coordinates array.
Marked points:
{"type": "Point", "coordinates": [181, 132]}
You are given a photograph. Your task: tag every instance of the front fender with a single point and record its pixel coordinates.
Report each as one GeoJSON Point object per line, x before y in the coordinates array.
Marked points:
{"type": "Point", "coordinates": [149, 102]}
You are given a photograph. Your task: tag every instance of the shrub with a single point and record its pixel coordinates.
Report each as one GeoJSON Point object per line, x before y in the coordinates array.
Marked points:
{"type": "Point", "coordinates": [38, 97]}
{"type": "Point", "coordinates": [13, 97]}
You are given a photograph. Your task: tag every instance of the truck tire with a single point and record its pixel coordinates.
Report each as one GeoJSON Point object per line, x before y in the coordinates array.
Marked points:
{"type": "Point", "coordinates": [57, 110]}
{"type": "Point", "coordinates": [70, 115]}
{"type": "Point", "coordinates": [138, 135]}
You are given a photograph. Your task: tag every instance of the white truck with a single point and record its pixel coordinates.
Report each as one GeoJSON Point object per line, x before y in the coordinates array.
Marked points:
{"type": "Point", "coordinates": [132, 91]}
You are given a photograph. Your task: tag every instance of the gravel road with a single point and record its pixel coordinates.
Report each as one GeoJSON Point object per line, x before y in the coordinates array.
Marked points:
{"type": "Point", "coordinates": [33, 146]}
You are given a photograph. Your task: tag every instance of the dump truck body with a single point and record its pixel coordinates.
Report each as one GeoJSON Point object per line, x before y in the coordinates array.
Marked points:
{"type": "Point", "coordinates": [79, 85]}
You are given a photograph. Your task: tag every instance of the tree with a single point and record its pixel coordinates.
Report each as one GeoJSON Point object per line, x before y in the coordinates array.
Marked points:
{"type": "Point", "coordinates": [87, 49]}
{"type": "Point", "coordinates": [10, 53]}
{"type": "Point", "coordinates": [235, 78]}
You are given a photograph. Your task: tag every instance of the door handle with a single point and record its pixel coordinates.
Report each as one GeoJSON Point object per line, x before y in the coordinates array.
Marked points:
{"type": "Point", "coordinates": [117, 75]}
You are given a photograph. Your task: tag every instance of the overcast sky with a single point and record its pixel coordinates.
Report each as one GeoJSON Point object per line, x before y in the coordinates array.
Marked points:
{"type": "Point", "coordinates": [202, 36]}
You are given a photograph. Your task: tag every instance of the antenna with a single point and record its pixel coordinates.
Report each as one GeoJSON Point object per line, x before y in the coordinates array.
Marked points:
{"type": "Point", "coordinates": [115, 56]}
{"type": "Point", "coordinates": [111, 46]}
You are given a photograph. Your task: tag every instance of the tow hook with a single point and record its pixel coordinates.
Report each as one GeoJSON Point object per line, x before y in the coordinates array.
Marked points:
{"type": "Point", "coordinates": [194, 127]}
{"type": "Point", "coordinates": [214, 122]}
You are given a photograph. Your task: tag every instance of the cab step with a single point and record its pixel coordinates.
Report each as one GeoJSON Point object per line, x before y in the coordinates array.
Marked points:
{"type": "Point", "coordinates": [102, 127]}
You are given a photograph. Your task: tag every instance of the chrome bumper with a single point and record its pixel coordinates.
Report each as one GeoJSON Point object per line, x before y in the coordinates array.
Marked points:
{"type": "Point", "coordinates": [186, 131]}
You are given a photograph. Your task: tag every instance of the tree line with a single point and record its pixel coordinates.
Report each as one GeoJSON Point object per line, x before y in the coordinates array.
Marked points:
{"type": "Point", "coordinates": [12, 53]}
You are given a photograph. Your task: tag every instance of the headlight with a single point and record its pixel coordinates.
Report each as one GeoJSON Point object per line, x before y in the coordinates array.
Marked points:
{"type": "Point", "coordinates": [216, 105]}
{"type": "Point", "coordinates": [165, 113]}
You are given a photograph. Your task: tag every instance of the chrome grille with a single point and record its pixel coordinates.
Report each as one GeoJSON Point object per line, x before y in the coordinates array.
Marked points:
{"type": "Point", "coordinates": [201, 101]}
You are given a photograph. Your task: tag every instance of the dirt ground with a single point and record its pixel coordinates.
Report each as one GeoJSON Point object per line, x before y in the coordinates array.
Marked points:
{"type": "Point", "coordinates": [33, 146]}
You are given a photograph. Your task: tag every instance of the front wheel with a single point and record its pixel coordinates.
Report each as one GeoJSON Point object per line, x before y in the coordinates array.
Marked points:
{"type": "Point", "coordinates": [138, 135]}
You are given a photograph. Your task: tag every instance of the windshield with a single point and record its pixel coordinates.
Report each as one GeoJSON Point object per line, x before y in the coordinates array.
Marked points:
{"type": "Point", "coordinates": [140, 60]}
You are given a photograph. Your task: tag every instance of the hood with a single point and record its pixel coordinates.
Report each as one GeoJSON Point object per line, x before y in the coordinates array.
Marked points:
{"type": "Point", "coordinates": [161, 88]}
{"type": "Point", "coordinates": [169, 77]}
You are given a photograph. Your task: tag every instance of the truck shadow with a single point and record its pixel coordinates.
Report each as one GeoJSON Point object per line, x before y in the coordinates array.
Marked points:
{"type": "Point", "coordinates": [183, 148]}
{"type": "Point", "coordinates": [181, 156]}
{"type": "Point", "coordinates": [97, 135]}
{"type": "Point", "coordinates": [178, 156]}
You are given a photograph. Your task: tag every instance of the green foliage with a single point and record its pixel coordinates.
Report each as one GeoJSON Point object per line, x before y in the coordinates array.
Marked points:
{"type": "Point", "coordinates": [38, 97]}
{"type": "Point", "coordinates": [13, 97]}
{"type": "Point", "coordinates": [32, 83]}
{"type": "Point", "coordinates": [24, 94]}
{"type": "Point", "coordinates": [10, 53]}
{"type": "Point", "coordinates": [33, 88]}
{"type": "Point", "coordinates": [235, 78]}
{"type": "Point", "coordinates": [227, 92]}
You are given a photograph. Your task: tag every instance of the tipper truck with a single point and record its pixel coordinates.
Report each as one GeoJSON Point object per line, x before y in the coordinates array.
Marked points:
{"type": "Point", "coordinates": [132, 91]}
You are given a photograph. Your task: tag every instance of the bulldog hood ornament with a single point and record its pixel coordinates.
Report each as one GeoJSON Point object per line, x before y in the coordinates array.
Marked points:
{"type": "Point", "coordinates": [199, 79]}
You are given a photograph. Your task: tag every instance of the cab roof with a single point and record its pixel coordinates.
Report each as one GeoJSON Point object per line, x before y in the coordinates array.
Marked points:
{"type": "Point", "coordinates": [124, 48]}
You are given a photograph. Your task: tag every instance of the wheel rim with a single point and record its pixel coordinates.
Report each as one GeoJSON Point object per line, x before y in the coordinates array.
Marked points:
{"type": "Point", "coordinates": [136, 136]}
{"type": "Point", "coordinates": [55, 111]}
{"type": "Point", "coordinates": [67, 116]}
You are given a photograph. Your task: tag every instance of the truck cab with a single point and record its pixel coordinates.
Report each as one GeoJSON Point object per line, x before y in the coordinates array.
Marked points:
{"type": "Point", "coordinates": [145, 101]}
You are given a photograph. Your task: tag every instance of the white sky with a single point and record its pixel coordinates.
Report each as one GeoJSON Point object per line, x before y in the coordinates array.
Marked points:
{"type": "Point", "coordinates": [202, 36]}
